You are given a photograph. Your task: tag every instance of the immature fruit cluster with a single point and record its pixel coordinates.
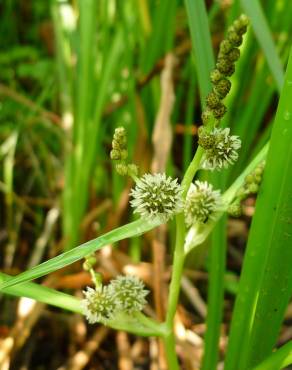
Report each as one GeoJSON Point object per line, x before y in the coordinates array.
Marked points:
{"type": "Point", "coordinates": [201, 204]}
{"type": "Point", "coordinates": [251, 186]}
{"type": "Point", "coordinates": [228, 55]}
{"type": "Point", "coordinates": [220, 148]}
{"type": "Point", "coordinates": [119, 153]}
{"type": "Point", "coordinates": [157, 196]}
{"type": "Point", "coordinates": [124, 294]}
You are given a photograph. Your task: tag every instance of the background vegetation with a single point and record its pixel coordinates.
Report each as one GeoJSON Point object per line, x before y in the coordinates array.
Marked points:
{"type": "Point", "coordinates": [71, 72]}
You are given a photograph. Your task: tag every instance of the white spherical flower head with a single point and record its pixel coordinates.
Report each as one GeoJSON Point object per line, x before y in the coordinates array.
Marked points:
{"type": "Point", "coordinates": [129, 293]}
{"type": "Point", "coordinates": [99, 305]}
{"type": "Point", "coordinates": [224, 151]}
{"type": "Point", "coordinates": [201, 203]}
{"type": "Point", "coordinates": [157, 196]}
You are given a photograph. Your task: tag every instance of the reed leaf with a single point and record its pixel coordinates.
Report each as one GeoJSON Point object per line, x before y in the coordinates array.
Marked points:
{"type": "Point", "coordinates": [266, 279]}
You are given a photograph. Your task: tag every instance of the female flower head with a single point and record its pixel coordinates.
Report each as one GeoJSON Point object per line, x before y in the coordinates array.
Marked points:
{"type": "Point", "coordinates": [223, 151]}
{"type": "Point", "coordinates": [157, 196]}
{"type": "Point", "coordinates": [129, 293]}
{"type": "Point", "coordinates": [201, 203]}
{"type": "Point", "coordinates": [99, 305]}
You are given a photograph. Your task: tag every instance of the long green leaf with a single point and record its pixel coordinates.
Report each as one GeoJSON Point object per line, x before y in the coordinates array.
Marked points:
{"type": "Point", "coordinates": [65, 301]}
{"type": "Point", "coordinates": [266, 280]}
{"type": "Point", "coordinates": [278, 360]}
{"type": "Point", "coordinates": [201, 44]}
{"type": "Point", "coordinates": [261, 28]}
{"type": "Point", "coordinates": [42, 294]}
{"type": "Point", "coordinates": [129, 230]}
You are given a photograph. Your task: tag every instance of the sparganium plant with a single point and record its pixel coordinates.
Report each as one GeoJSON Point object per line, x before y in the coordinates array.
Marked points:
{"type": "Point", "coordinates": [158, 198]}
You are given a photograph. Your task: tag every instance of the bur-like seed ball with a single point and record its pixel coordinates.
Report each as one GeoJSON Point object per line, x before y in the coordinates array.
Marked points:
{"type": "Point", "coordinates": [129, 293]}
{"type": "Point", "coordinates": [201, 203]}
{"type": "Point", "coordinates": [224, 151]}
{"type": "Point", "coordinates": [157, 196]}
{"type": "Point", "coordinates": [99, 305]}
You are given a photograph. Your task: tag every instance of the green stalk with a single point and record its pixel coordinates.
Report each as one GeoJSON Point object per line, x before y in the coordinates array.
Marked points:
{"type": "Point", "coordinates": [169, 344]}
{"type": "Point", "coordinates": [178, 264]}
{"type": "Point", "coordinates": [215, 295]}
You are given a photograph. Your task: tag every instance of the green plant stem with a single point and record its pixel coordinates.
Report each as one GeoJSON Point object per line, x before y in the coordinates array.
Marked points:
{"type": "Point", "coordinates": [215, 295]}
{"type": "Point", "coordinates": [192, 170]}
{"type": "Point", "coordinates": [169, 344]}
{"type": "Point", "coordinates": [178, 264]}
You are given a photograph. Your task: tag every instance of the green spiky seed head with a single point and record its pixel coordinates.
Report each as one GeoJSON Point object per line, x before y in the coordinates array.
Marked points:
{"type": "Point", "coordinates": [201, 204]}
{"type": "Point", "coordinates": [224, 151]}
{"type": "Point", "coordinates": [223, 87]}
{"type": "Point", "coordinates": [157, 196]}
{"type": "Point", "coordinates": [99, 305]}
{"type": "Point", "coordinates": [129, 293]}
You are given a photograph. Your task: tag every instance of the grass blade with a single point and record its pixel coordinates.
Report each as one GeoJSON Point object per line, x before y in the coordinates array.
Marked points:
{"type": "Point", "coordinates": [132, 229]}
{"type": "Point", "coordinates": [201, 44]}
{"type": "Point", "coordinates": [42, 294]}
{"type": "Point", "coordinates": [261, 28]}
{"type": "Point", "coordinates": [278, 360]}
{"type": "Point", "coordinates": [267, 264]}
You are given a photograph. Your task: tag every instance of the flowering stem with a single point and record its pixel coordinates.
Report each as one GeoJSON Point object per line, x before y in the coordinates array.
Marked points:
{"type": "Point", "coordinates": [169, 344]}
{"type": "Point", "coordinates": [192, 170]}
{"type": "Point", "coordinates": [178, 264]}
